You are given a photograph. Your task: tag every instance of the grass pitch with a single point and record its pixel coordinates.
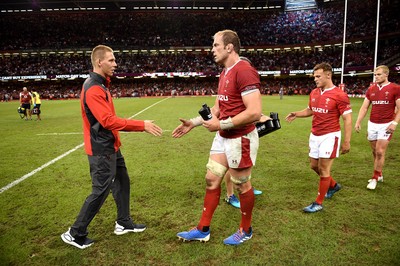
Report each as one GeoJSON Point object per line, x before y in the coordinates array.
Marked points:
{"type": "Point", "coordinates": [356, 227]}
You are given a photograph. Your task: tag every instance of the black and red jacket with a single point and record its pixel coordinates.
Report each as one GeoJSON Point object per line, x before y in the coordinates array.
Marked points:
{"type": "Point", "coordinates": [101, 126]}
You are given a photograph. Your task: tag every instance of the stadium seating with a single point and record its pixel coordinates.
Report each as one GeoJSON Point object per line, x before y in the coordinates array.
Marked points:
{"type": "Point", "coordinates": [55, 44]}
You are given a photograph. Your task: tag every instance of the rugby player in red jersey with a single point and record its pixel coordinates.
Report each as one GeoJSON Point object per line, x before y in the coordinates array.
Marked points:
{"type": "Point", "coordinates": [235, 145]}
{"type": "Point", "coordinates": [384, 97]}
{"type": "Point", "coordinates": [327, 103]}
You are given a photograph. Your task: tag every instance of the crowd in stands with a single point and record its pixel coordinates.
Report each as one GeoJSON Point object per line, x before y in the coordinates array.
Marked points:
{"type": "Point", "coordinates": [59, 64]}
{"type": "Point", "coordinates": [176, 28]}
{"type": "Point", "coordinates": [140, 30]}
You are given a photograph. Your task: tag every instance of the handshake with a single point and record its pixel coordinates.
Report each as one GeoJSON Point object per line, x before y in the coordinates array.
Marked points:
{"type": "Point", "coordinates": [268, 126]}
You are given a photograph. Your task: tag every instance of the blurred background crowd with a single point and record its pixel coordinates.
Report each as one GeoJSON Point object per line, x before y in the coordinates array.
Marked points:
{"type": "Point", "coordinates": [150, 41]}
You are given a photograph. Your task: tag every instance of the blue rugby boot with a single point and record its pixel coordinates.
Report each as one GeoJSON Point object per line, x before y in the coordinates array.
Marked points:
{"type": "Point", "coordinates": [194, 235]}
{"type": "Point", "coordinates": [238, 238]}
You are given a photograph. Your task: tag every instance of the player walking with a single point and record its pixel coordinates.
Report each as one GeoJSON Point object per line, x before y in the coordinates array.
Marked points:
{"type": "Point", "coordinates": [326, 104]}
{"type": "Point", "coordinates": [384, 97]}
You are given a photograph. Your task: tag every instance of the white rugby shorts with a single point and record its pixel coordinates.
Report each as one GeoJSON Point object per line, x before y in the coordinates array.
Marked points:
{"type": "Point", "coordinates": [325, 146]}
{"type": "Point", "coordinates": [240, 152]}
{"type": "Point", "coordinates": [378, 131]}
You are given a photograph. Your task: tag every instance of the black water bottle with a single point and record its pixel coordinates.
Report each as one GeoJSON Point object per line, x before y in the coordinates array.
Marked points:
{"type": "Point", "coordinates": [205, 112]}
{"type": "Point", "coordinates": [275, 120]}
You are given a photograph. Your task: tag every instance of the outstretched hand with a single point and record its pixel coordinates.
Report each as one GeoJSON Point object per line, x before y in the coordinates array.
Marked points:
{"type": "Point", "coordinates": [290, 117]}
{"type": "Point", "coordinates": [152, 128]}
{"type": "Point", "coordinates": [183, 128]}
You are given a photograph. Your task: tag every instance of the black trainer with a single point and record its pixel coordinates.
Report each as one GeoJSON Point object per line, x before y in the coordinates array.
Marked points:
{"type": "Point", "coordinates": [123, 228]}
{"type": "Point", "coordinates": [81, 243]}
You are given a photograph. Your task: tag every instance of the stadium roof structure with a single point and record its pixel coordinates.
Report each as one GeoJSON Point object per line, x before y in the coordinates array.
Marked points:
{"type": "Point", "coordinates": [37, 5]}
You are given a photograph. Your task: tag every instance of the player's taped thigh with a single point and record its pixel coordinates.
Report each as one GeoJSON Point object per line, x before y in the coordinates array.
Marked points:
{"type": "Point", "coordinates": [240, 180]}
{"type": "Point", "coordinates": [216, 168]}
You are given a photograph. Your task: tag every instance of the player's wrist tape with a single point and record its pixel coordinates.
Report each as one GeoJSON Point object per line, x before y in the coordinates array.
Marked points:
{"type": "Point", "coordinates": [226, 124]}
{"type": "Point", "coordinates": [197, 121]}
{"type": "Point", "coordinates": [395, 123]}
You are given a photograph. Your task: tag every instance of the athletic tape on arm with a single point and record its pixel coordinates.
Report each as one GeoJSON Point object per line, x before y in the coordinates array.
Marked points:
{"type": "Point", "coordinates": [226, 124]}
{"type": "Point", "coordinates": [197, 121]}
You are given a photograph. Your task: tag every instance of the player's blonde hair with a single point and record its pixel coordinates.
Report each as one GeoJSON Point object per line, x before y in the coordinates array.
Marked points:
{"type": "Point", "coordinates": [384, 68]}
{"type": "Point", "coordinates": [99, 52]}
{"type": "Point", "coordinates": [230, 36]}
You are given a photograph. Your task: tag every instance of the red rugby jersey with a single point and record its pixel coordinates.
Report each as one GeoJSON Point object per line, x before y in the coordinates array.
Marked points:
{"type": "Point", "coordinates": [383, 100]}
{"type": "Point", "coordinates": [240, 78]}
{"type": "Point", "coordinates": [327, 107]}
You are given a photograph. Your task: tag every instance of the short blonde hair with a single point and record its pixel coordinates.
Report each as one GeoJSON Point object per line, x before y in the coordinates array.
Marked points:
{"type": "Point", "coordinates": [99, 52]}
{"type": "Point", "coordinates": [230, 36]}
{"type": "Point", "coordinates": [384, 68]}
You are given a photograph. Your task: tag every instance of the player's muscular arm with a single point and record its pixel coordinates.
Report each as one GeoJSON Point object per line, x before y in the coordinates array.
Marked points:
{"type": "Point", "coordinates": [347, 133]}
{"type": "Point", "coordinates": [392, 126]}
{"type": "Point", "coordinates": [215, 108]}
{"type": "Point", "coordinates": [252, 113]}
{"type": "Point", "coordinates": [361, 114]}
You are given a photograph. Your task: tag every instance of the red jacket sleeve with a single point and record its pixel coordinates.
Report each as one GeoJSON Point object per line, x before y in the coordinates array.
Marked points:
{"type": "Point", "coordinates": [103, 111]}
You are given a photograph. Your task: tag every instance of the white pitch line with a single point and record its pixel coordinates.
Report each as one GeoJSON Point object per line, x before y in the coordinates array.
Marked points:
{"type": "Point", "coordinates": [81, 133]}
{"type": "Point", "coordinates": [38, 169]}
{"type": "Point", "coordinates": [7, 187]}
{"type": "Point", "coordinates": [148, 107]}
{"type": "Point", "coordinates": [57, 134]}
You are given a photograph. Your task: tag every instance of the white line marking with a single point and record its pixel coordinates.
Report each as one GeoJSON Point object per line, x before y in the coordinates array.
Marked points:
{"type": "Point", "coordinates": [81, 133]}
{"type": "Point", "coordinates": [62, 155]}
{"type": "Point", "coordinates": [38, 169]}
{"type": "Point", "coordinates": [149, 107]}
{"type": "Point", "coordinates": [56, 134]}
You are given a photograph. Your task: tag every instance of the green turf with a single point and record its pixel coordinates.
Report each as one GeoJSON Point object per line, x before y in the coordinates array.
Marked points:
{"type": "Point", "coordinates": [356, 227]}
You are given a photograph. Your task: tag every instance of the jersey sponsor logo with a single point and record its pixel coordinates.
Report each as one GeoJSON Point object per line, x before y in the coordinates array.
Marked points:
{"type": "Point", "coordinates": [380, 102]}
{"type": "Point", "coordinates": [223, 98]}
{"type": "Point", "coordinates": [319, 110]}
